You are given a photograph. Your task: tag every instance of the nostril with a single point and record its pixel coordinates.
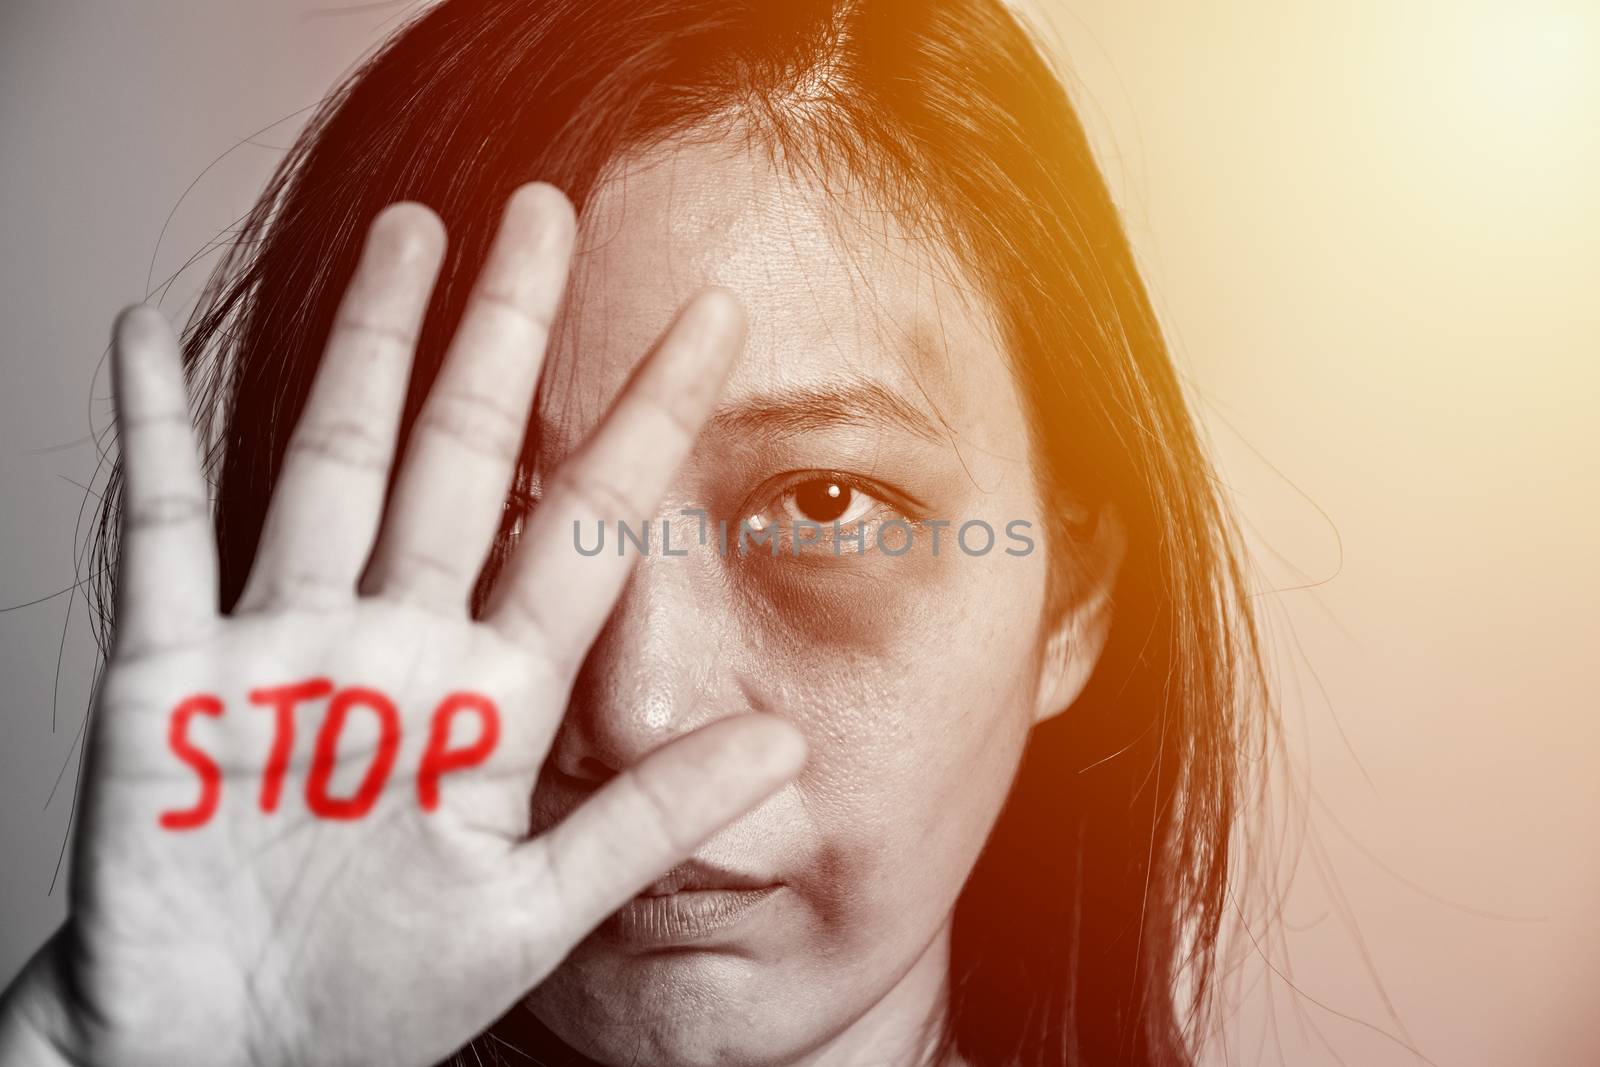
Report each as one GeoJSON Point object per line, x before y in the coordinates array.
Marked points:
{"type": "Point", "coordinates": [589, 772]}
{"type": "Point", "coordinates": [559, 791]}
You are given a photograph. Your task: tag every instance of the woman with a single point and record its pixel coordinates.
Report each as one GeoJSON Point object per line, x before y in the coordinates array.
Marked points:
{"type": "Point", "coordinates": [825, 791]}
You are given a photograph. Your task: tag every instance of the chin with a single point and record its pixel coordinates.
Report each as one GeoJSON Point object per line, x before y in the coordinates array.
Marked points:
{"type": "Point", "coordinates": [676, 1043]}
{"type": "Point", "coordinates": [671, 1009]}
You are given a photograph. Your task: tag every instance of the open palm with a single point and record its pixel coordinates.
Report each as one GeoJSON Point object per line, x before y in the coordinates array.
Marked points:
{"type": "Point", "coordinates": [305, 823]}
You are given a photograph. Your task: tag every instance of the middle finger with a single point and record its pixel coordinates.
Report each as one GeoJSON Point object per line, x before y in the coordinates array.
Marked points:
{"type": "Point", "coordinates": [458, 466]}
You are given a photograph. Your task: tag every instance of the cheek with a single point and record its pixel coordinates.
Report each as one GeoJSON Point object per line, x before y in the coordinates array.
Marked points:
{"type": "Point", "coordinates": [912, 679]}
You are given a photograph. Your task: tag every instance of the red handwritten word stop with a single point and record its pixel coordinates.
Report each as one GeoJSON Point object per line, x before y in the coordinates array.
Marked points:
{"type": "Point", "coordinates": [438, 758]}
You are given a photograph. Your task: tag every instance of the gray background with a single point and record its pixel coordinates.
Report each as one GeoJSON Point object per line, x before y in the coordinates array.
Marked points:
{"type": "Point", "coordinates": [1371, 229]}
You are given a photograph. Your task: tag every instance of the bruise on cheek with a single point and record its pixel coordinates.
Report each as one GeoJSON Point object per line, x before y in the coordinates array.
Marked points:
{"type": "Point", "coordinates": [836, 894]}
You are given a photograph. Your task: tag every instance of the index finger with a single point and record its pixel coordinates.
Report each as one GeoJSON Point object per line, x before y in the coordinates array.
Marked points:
{"type": "Point", "coordinates": [551, 594]}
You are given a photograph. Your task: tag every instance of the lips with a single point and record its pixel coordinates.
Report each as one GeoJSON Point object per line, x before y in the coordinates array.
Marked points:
{"type": "Point", "coordinates": [690, 903]}
{"type": "Point", "coordinates": [695, 875]}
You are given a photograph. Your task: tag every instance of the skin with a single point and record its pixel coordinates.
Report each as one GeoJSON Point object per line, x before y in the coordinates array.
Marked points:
{"type": "Point", "coordinates": [284, 938]}
{"type": "Point", "coordinates": [914, 678]}
{"type": "Point", "coordinates": [828, 723]}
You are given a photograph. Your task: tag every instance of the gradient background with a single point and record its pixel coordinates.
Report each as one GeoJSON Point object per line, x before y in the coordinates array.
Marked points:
{"type": "Point", "coordinates": [1372, 229]}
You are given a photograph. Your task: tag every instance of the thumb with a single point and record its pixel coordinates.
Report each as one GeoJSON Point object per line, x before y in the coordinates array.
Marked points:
{"type": "Point", "coordinates": [647, 819]}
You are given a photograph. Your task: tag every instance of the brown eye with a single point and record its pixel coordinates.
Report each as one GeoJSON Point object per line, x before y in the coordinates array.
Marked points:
{"type": "Point", "coordinates": [826, 501]}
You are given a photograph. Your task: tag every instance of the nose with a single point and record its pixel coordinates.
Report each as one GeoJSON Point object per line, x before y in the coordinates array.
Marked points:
{"type": "Point", "coordinates": [657, 671]}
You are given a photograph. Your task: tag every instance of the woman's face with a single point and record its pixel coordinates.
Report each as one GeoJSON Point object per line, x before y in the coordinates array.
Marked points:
{"type": "Point", "coordinates": [870, 388]}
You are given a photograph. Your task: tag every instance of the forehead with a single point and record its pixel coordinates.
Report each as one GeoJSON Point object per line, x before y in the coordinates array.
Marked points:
{"type": "Point", "coordinates": [835, 289]}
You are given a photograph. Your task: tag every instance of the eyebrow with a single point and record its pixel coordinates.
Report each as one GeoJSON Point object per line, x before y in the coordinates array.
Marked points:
{"type": "Point", "coordinates": [798, 410]}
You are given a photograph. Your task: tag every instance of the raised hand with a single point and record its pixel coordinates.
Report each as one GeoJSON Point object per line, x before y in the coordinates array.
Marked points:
{"type": "Point", "coordinates": [304, 833]}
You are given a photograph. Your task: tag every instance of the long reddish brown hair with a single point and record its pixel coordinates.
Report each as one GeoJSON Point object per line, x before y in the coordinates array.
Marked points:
{"type": "Point", "coordinates": [1105, 876]}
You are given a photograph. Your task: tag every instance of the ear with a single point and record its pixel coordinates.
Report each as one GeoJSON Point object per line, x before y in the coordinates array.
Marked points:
{"type": "Point", "coordinates": [1082, 623]}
